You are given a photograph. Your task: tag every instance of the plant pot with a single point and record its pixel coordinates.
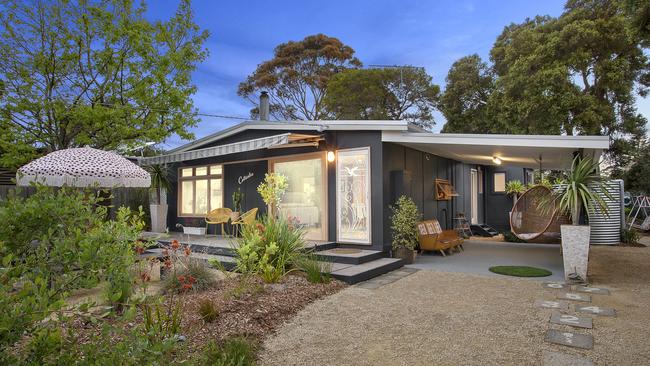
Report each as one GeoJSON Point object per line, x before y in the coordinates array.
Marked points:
{"type": "Point", "coordinates": [158, 215]}
{"type": "Point", "coordinates": [407, 255]}
{"type": "Point", "coordinates": [575, 250]}
{"type": "Point", "coordinates": [193, 230]}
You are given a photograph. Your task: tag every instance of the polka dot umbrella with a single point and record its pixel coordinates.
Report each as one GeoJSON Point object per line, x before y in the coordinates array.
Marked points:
{"type": "Point", "coordinates": [83, 167]}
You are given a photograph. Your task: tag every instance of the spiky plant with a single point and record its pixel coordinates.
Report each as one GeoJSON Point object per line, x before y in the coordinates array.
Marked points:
{"type": "Point", "coordinates": [159, 179]}
{"type": "Point", "coordinates": [577, 192]}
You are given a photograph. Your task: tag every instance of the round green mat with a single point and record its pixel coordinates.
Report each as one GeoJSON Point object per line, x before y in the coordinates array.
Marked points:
{"type": "Point", "coordinates": [521, 271]}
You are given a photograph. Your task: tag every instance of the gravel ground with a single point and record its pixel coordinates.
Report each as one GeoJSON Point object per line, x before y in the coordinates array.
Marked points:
{"type": "Point", "coordinates": [463, 319]}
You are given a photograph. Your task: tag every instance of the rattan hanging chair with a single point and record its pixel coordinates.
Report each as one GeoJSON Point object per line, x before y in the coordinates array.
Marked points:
{"type": "Point", "coordinates": [534, 217]}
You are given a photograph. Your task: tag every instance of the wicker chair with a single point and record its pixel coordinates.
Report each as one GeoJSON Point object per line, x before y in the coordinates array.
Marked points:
{"type": "Point", "coordinates": [247, 218]}
{"type": "Point", "coordinates": [218, 216]}
{"type": "Point", "coordinates": [534, 217]}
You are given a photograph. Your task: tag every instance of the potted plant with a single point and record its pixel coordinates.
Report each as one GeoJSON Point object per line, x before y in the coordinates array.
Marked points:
{"type": "Point", "coordinates": [404, 219]}
{"type": "Point", "coordinates": [237, 198]}
{"type": "Point", "coordinates": [577, 193]}
{"type": "Point", "coordinates": [158, 206]}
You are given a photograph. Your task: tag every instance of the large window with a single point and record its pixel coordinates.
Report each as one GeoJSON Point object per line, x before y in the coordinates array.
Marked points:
{"type": "Point", "coordinates": [353, 195]}
{"type": "Point", "coordinates": [306, 197]}
{"type": "Point", "coordinates": [201, 189]}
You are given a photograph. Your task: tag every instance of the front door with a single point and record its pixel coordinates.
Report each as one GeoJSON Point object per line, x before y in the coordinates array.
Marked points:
{"type": "Point", "coordinates": [305, 200]}
{"type": "Point", "coordinates": [474, 195]}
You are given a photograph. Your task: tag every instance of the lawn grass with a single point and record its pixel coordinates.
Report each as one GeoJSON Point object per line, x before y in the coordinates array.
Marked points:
{"type": "Point", "coordinates": [521, 271]}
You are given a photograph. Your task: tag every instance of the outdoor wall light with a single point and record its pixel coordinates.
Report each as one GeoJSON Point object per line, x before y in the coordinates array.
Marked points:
{"type": "Point", "coordinates": [331, 156]}
{"type": "Point", "coordinates": [496, 160]}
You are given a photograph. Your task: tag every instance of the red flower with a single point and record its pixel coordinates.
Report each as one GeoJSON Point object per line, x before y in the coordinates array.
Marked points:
{"type": "Point", "coordinates": [175, 244]}
{"type": "Point", "coordinates": [188, 251]}
{"type": "Point", "coordinates": [181, 278]}
{"type": "Point", "coordinates": [139, 250]}
{"type": "Point", "coordinates": [168, 263]}
{"type": "Point", "coordinates": [260, 227]}
{"type": "Point", "coordinates": [191, 279]}
{"type": "Point", "coordinates": [187, 286]}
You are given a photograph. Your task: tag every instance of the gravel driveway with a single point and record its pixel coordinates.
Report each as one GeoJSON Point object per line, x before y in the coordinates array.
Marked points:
{"type": "Point", "coordinates": [445, 318]}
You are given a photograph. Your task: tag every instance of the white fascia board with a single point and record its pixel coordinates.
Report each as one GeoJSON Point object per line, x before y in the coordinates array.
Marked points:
{"type": "Point", "coordinates": [577, 142]}
{"type": "Point", "coordinates": [319, 126]}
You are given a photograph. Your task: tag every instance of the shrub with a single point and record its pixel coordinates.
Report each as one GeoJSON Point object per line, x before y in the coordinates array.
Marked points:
{"type": "Point", "coordinates": [272, 189]}
{"type": "Point", "coordinates": [208, 310]}
{"type": "Point", "coordinates": [630, 236]}
{"type": "Point", "coordinates": [404, 223]}
{"type": "Point", "coordinates": [187, 267]}
{"type": "Point", "coordinates": [270, 248]}
{"type": "Point", "coordinates": [316, 271]}
{"type": "Point", "coordinates": [233, 352]}
{"type": "Point", "coordinates": [54, 242]}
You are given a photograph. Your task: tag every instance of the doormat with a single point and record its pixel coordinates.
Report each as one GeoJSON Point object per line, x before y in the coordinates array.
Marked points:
{"type": "Point", "coordinates": [346, 250]}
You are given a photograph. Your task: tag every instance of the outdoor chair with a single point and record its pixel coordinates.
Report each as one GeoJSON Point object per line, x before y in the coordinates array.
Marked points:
{"type": "Point", "coordinates": [247, 218]}
{"type": "Point", "coordinates": [218, 216]}
{"type": "Point", "coordinates": [433, 238]}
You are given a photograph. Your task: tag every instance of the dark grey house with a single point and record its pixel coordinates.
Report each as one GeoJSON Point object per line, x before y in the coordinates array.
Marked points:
{"type": "Point", "coordinates": [343, 175]}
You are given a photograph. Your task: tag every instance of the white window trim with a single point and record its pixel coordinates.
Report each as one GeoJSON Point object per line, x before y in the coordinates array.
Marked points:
{"type": "Point", "coordinates": [339, 239]}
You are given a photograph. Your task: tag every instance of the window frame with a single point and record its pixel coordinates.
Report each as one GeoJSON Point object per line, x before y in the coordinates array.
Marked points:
{"type": "Point", "coordinates": [193, 178]}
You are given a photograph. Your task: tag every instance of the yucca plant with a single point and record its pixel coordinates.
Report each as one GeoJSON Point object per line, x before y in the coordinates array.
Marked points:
{"type": "Point", "coordinates": [159, 180]}
{"type": "Point", "coordinates": [515, 188]}
{"type": "Point", "coordinates": [577, 192]}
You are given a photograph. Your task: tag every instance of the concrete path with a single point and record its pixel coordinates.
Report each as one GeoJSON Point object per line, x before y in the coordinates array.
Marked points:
{"type": "Point", "coordinates": [479, 256]}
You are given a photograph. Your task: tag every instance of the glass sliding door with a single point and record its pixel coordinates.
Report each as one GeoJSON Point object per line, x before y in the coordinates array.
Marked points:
{"type": "Point", "coordinates": [353, 196]}
{"type": "Point", "coordinates": [305, 200]}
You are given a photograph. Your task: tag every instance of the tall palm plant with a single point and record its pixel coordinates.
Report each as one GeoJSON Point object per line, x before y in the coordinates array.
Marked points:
{"type": "Point", "coordinates": [159, 179]}
{"type": "Point", "coordinates": [578, 192]}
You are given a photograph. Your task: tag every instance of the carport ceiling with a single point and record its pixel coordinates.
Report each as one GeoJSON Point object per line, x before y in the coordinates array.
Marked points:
{"type": "Point", "coordinates": [556, 152]}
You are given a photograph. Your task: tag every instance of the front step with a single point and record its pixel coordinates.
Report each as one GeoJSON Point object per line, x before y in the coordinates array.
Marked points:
{"type": "Point", "coordinates": [355, 273]}
{"type": "Point", "coordinates": [483, 230]}
{"type": "Point", "coordinates": [348, 256]}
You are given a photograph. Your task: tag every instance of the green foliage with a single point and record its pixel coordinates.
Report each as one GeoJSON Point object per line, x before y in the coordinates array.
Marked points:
{"type": "Point", "coordinates": [161, 322]}
{"type": "Point", "coordinates": [576, 74]}
{"type": "Point", "coordinates": [637, 177]}
{"type": "Point", "coordinates": [272, 189]}
{"type": "Point", "coordinates": [470, 82]}
{"type": "Point", "coordinates": [160, 180]}
{"type": "Point", "coordinates": [297, 76]}
{"type": "Point", "coordinates": [93, 73]}
{"type": "Point", "coordinates": [233, 352]}
{"type": "Point", "coordinates": [630, 236]}
{"type": "Point", "coordinates": [404, 219]}
{"type": "Point", "coordinates": [515, 188]}
{"type": "Point", "coordinates": [208, 310]}
{"type": "Point", "coordinates": [237, 198]}
{"type": "Point", "coordinates": [271, 248]}
{"type": "Point", "coordinates": [187, 267]}
{"type": "Point", "coordinates": [577, 193]}
{"type": "Point", "coordinates": [405, 93]}
{"type": "Point", "coordinates": [316, 271]}
{"type": "Point", "coordinates": [52, 243]}
{"type": "Point", "coordinates": [511, 238]}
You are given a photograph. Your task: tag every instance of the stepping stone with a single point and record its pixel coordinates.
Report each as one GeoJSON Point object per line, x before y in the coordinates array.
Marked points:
{"type": "Point", "coordinates": [592, 290]}
{"type": "Point", "coordinates": [572, 320]}
{"type": "Point", "coordinates": [550, 358]}
{"type": "Point", "coordinates": [573, 296]}
{"type": "Point", "coordinates": [551, 304]}
{"type": "Point", "coordinates": [570, 339]}
{"type": "Point", "coordinates": [596, 310]}
{"type": "Point", "coordinates": [556, 285]}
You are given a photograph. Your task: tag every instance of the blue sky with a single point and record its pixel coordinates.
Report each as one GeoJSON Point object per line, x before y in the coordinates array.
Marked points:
{"type": "Point", "coordinates": [431, 34]}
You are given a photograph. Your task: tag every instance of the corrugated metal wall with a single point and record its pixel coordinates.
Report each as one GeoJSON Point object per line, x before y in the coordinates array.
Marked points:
{"type": "Point", "coordinates": [606, 227]}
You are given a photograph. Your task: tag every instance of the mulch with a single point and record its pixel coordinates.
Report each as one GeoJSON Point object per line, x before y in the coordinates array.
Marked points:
{"type": "Point", "coordinates": [249, 307]}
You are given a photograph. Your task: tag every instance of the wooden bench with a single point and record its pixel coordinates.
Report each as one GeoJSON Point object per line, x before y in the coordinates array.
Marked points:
{"type": "Point", "coordinates": [433, 238]}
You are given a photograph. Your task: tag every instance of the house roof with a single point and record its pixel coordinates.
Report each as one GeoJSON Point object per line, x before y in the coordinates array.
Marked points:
{"type": "Point", "coordinates": [556, 152]}
{"type": "Point", "coordinates": [318, 126]}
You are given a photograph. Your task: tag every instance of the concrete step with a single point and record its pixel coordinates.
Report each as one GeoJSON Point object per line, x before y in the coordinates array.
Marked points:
{"type": "Point", "coordinates": [348, 256]}
{"type": "Point", "coordinates": [355, 273]}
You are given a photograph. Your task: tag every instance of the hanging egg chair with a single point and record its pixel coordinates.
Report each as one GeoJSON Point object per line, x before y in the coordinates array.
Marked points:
{"type": "Point", "coordinates": [534, 217]}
